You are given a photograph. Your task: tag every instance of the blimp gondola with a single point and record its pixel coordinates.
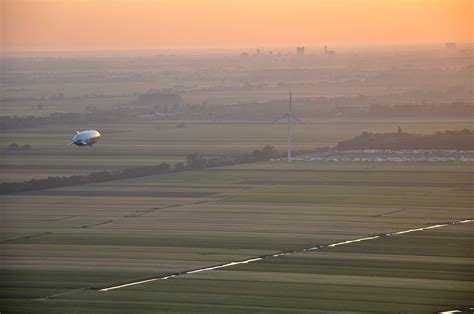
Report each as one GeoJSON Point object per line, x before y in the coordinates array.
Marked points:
{"type": "Point", "coordinates": [86, 138]}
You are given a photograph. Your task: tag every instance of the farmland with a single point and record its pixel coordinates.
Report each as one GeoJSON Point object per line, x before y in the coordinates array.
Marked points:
{"type": "Point", "coordinates": [125, 145]}
{"type": "Point", "coordinates": [311, 236]}
{"type": "Point", "coordinates": [58, 244]}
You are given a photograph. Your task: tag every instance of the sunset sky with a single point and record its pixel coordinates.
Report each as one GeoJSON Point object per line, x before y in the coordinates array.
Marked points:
{"type": "Point", "coordinates": [52, 25]}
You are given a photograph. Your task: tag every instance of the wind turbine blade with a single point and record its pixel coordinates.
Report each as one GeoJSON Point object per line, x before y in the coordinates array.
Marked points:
{"type": "Point", "coordinates": [296, 118]}
{"type": "Point", "coordinates": [282, 117]}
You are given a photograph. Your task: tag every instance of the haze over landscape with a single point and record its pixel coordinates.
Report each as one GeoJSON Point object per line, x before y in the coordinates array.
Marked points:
{"type": "Point", "coordinates": [181, 195]}
{"type": "Point", "coordinates": [55, 25]}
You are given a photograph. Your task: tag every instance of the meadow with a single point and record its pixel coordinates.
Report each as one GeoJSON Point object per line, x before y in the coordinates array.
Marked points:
{"type": "Point", "coordinates": [58, 247]}
{"type": "Point", "coordinates": [143, 144]}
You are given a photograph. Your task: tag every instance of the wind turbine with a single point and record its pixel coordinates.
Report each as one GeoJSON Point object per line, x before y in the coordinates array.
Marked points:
{"type": "Point", "coordinates": [289, 116]}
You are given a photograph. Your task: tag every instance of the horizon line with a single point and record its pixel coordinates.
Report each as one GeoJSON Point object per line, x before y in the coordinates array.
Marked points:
{"type": "Point", "coordinates": [284, 47]}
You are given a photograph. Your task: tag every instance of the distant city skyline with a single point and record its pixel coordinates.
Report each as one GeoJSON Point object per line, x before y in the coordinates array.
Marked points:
{"type": "Point", "coordinates": [68, 25]}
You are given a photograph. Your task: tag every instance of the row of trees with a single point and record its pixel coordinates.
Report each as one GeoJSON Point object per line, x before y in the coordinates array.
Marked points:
{"type": "Point", "coordinates": [14, 147]}
{"type": "Point", "coordinates": [95, 115]}
{"type": "Point", "coordinates": [98, 116]}
{"type": "Point", "coordinates": [95, 177]}
{"type": "Point", "coordinates": [458, 140]}
{"type": "Point", "coordinates": [196, 161]}
{"type": "Point", "coordinates": [193, 161]}
{"type": "Point", "coordinates": [454, 109]}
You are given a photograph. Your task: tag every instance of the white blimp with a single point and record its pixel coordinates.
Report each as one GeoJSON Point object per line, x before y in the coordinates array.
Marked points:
{"type": "Point", "coordinates": [86, 138]}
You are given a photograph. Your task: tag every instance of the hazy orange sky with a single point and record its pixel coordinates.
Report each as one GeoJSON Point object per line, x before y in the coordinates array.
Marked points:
{"type": "Point", "coordinates": [158, 24]}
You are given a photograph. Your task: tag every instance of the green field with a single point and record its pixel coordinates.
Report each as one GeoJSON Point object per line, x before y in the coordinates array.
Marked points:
{"type": "Point", "coordinates": [124, 145]}
{"type": "Point", "coordinates": [94, 236]}
{"type": "Point", "coordinates": [261, 237]}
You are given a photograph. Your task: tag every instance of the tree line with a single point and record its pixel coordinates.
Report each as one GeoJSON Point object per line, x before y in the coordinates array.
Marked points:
{"type": "Point", "coordinates": [193, 162]}
{"type": "Point", "coordinates": [14, 147]}
{"type": "Point", "coordinates": [99, 116]}
{"type": "Point", "coordinates": [455, 139]}
{"type": "Point", "coordinates": [454, 109]}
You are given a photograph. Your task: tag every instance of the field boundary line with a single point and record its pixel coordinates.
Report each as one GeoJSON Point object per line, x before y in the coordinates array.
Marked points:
{"type": "Point", "coordinates": [64, 293]}
{"type": "Point", "coordinates": [95, 224]}
{"type": "Point", "coordinates": [283, 253]}
{"type": "Point", "coordinates": [27, 237]}
{"type": "Point", "coordinates": [390, 213]}
{"type": "Point", "coordinates": [60, 218]}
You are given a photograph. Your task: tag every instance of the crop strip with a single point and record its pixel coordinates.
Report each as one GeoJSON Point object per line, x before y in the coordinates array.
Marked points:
{"type": "Point", "coordinates": [258, 258]}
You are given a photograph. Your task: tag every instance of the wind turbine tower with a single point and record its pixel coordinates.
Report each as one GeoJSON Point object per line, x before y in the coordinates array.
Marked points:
{"type": "Point", "coordinates": [289, 117]}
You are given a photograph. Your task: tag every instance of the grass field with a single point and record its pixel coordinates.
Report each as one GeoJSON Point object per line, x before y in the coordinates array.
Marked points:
{"type": "Point", "coordinates": [22, 167]}
{"type": "Point", "coordinates": [124, 145]}
{"type": "Point", "coordinates": [58, 241]}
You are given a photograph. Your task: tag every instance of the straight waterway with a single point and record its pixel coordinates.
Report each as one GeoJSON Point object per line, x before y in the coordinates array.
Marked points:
{"type": "Point", "coordinates": [255, 259]}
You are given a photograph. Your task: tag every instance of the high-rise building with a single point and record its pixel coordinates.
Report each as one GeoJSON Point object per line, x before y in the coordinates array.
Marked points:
{"type": "Point", "coordinates": [450, 45]}
{"type": "Point", "coordinates": [300, 51]}
{"type": "Point", "coordinates": [328, 52]}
